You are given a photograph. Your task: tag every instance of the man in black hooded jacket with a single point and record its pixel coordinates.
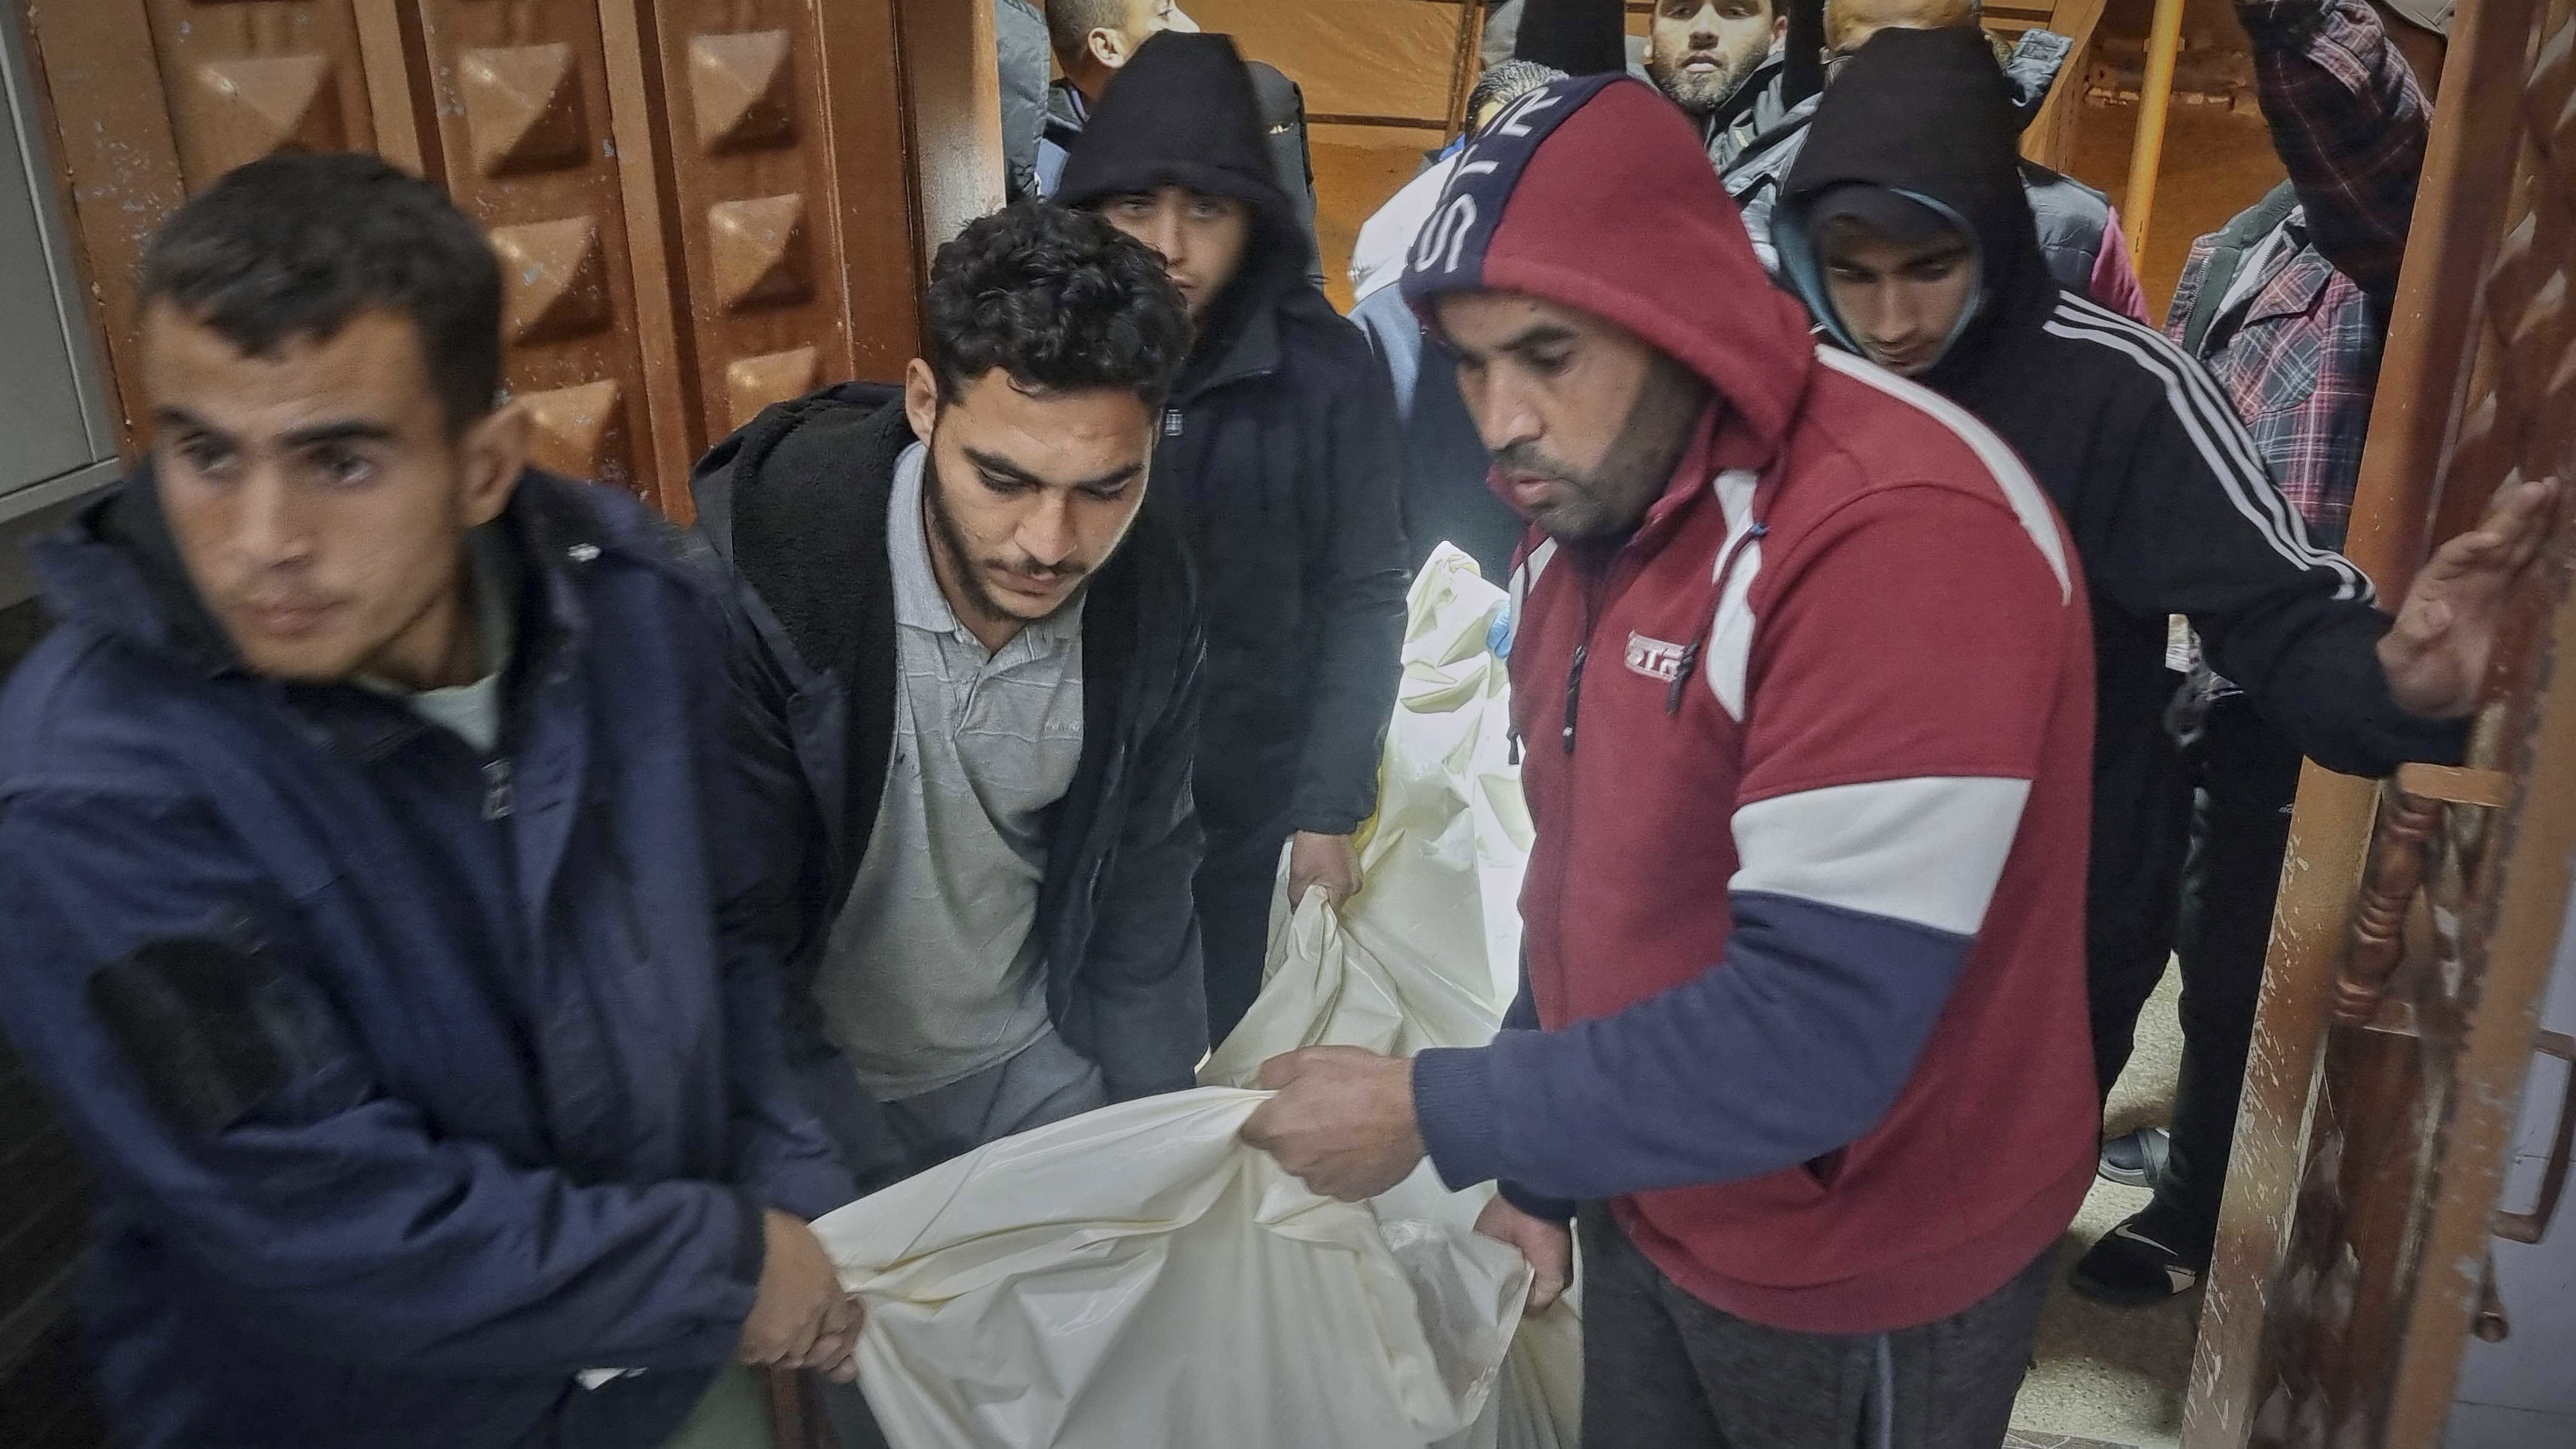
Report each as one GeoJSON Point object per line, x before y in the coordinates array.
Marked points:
{"type": "Point", "coordinates": [1281, 463]}
{"type": "Point", "coordinates": [1907, 194]}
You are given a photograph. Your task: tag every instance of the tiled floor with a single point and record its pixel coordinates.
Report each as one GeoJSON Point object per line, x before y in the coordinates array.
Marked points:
{"type": "Point", "coordinates": [2019, 1440]}
{"type": "Point", "coordinates": [2115, 1375]}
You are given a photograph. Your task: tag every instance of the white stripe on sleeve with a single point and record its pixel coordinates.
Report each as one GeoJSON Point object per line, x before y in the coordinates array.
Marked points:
{"type": "Point", "coordinates": [1739, 562]}
{"type": "Point", "coordinates": [2210, 421]}
{"type": "Point", "coordinates": [1926, 850]}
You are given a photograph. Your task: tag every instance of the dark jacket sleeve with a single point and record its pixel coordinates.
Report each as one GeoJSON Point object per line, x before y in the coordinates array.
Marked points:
{"type": "Point", "coordinates": [1146, 987]}
{"type": "Point", "coordinates": [1355, 591]}
{"type": "Point", "coordinates": [1523, 1016]}
{"type": "Point", "coordinates": [780, 1153]}
{"type": "Point", "coordinates": [779, 892]}
{"type": "Point", "coordinates": [2201, 530]}
{"type": "Point", "coordinates": [331, 1212]}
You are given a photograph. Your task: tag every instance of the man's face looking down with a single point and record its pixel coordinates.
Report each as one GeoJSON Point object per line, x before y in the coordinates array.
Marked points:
{"type": "Point", "coordinates": [1585, 419]}
{"type": "Point", "coordinates": [1901, 301]}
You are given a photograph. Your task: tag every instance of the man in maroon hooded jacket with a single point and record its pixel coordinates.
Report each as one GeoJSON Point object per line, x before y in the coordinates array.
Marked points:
{"type": "Point", "coordinates": [1804, 676]}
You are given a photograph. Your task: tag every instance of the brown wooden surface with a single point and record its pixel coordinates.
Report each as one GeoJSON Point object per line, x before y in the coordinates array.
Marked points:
{"type": "Point", "coordinates": [119, 158]}
{"type": "Point", "coordinates": [750, 162]}
{"type": "Point", "coordinates": [701, 206]}
{"type": "Point", "coordinates": [953, 96]}
{"type": "Point", "coordinates": [244, 81]}
{"type": "Point", "coordinates": [638, 100]}
{"type": "Point", "coordinates": [2351, 1248]}
{"type": "Point", "coordinates": [405, 111]}
{"type": "Point", "coordinates": [524, 120]}
{"type": "Point", "coordinates": [872, 183]}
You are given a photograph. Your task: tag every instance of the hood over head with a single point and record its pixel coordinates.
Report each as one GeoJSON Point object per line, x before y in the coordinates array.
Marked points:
{"type": "Point", "coordinates": [1595, 193]}
{"type": "Point", "coordinates": [1184, 113]}
{"type": "Point", "coordinates": [1928, 116]}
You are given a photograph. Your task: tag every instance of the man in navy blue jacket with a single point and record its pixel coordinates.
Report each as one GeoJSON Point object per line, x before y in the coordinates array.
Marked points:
{"type": "Point", "coordinates": [367, 842]}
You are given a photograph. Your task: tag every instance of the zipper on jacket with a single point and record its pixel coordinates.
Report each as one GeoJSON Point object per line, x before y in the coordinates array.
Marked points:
{"type": "Point", "coordinates": [1574, 692]}
{"type": "Point", "coordinates": [496, 789]}
{"type": "Point", "coordinates": [1682, 675]}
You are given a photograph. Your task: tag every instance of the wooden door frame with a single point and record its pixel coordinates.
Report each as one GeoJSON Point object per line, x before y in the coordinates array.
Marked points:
{"type": "Point", "coordinates": [111, 122]}
{"type": "Point", "coordinates": [952, 86]}
{"type": "Point", "coordinates": [2399, 504]}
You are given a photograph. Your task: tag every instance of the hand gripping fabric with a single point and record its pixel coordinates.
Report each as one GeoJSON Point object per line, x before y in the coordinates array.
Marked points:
{"type": "Point", "coordinates": [1137, 1278]}
{"type": "Point", "coordinates": [1427, 954]}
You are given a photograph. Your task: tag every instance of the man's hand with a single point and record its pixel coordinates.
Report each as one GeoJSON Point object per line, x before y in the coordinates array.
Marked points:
{"type": "Point", "coordinates": [2436, 656]}
{"type": "Point", "coordinates": [800, 1318]}
{"type": "Point", "coordinates": [1548, 1247]}
{"type": "Point", "coordinates": [1343, 1120]}
{"type": "Point", "coordinates": [1330, 861]}
{"type": "Point", "coordinates": [837, 1359]}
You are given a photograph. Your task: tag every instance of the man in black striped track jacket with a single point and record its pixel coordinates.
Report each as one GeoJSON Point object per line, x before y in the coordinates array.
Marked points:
{"type": "Point", "coordinates": [1909, 175]}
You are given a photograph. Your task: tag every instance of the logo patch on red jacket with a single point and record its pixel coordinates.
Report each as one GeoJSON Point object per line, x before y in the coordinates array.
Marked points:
{"type": "Point", "coordinates": [1654, 658]}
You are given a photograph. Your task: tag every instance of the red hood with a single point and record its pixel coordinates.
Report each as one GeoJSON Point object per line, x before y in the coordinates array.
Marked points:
{"type": "Point", "coordinates": [1595, 193]}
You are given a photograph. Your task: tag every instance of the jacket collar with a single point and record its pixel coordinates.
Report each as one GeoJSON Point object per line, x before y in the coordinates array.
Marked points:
{"type": "Point", "coordinates": [1244, 340]}
{"type": "Point", "coordinates": [116, 571]}
{"type": "Point", "coordinates": [2299, 276]}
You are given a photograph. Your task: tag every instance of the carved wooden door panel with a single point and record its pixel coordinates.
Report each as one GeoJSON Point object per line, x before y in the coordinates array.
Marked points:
{"type": "Point", "coordinates": [521, 96]}
{"type": "Point", "coordinates": [700, 206]}
{"type": "Point", "coordinates": [2417, 931]}
{"type": "Point", "coordinates": [753, 187]}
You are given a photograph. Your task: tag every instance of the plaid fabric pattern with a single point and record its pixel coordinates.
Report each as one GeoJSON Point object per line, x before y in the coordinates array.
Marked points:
{"type": "Point", "coordinates": [2300, 369]}
{"type": "Point", "coordinates": [2350, 123]}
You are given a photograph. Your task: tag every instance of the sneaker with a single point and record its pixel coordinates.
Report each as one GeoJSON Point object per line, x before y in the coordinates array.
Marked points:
{"type": "Point", "coordinates": [2129, 1269]}
{"type": "Point", "coordinates": [2135, 1159]}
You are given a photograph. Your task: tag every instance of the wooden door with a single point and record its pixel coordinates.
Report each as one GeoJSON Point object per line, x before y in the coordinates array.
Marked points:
{"type": "Point", "coordinates": [700, 206]}
{"type": "Point", "coordinates": [2419, 920]}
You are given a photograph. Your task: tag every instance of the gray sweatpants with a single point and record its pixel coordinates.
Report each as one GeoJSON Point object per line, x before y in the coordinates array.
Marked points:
{"type": "Point", "coordinates": [1663, 1370]}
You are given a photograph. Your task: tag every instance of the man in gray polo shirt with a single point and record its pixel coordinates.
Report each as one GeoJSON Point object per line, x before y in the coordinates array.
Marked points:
{"type": "Point", "coordinates": [967, 676]}
{"type": "Point", "coordinates": [933, 981]}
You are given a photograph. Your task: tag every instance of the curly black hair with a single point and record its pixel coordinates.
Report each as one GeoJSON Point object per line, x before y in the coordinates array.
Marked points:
{"type": "Point", "coordinates": [1057, 299]}
{"type": "Point", "coordinates": [292, 246]}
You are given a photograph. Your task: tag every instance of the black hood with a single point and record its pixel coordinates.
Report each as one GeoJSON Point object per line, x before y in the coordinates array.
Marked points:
{"type": "Point", "coordinates": [1183, 113]}
{"type": "Point", "coordinates": [1927, 114]}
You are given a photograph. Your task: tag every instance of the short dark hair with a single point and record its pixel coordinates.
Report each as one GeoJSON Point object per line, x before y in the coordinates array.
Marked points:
{"type": "Point", "coordinates": [1508, 82]}
{"type": "Point", "coordinates": [292, 246]}
{"type": "Point", "coordinates": [1070, 23]}
{"type": "Point", "coordinates": [1059, 300]}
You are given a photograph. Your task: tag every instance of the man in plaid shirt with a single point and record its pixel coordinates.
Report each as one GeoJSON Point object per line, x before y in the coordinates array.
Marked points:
{"type": "Point", "coordinates": [2288, 307]}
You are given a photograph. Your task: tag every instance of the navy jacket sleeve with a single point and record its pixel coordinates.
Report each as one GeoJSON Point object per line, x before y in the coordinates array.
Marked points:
{"type": "Point", "coordinates": [780, 1152]}
{"type": "Point", "coordinates": [1523, 1016]}
{"type": "Point", "coordinates": [334, 1214]}
{"type": "Point", "coordinates": [777, 896]}
{"type": "Point", "coordinates": [2203, 531]}
{"type": "Point", "coordinates": [1144, 995]}
{"type": "Point", "coordinates": [1355, 588]}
